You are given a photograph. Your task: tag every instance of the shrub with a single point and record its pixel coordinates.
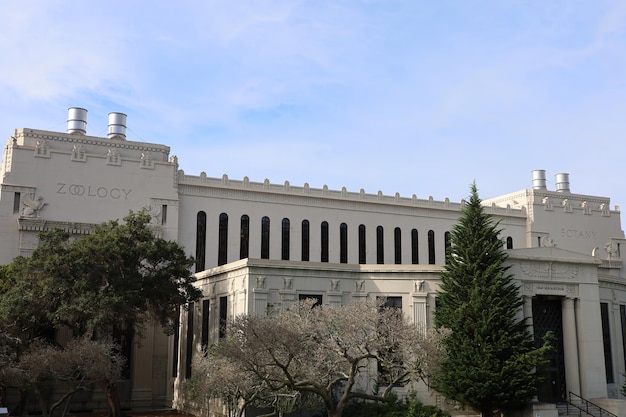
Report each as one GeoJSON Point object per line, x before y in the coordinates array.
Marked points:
{"type": "Point", "coordinates": [394, 408]}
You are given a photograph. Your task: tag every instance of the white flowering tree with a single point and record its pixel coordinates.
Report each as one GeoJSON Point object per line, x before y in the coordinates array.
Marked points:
{"type": "Point", "coordinates": [327, 352]}
{"type": "Point", "coordinates": [79, 365]}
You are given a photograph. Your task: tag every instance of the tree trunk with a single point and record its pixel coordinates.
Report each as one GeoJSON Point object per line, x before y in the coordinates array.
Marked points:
{"type": "Point", "coordinates": [113, 399]}
{"type": "Point", "coordinates": [490, 413]}
{"type": "Point", "coordinates": [21, 405]}
{"type": "Point", "coordinates": [337, 412]}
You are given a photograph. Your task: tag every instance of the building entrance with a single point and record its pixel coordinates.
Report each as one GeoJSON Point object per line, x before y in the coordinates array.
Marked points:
{"type": "Point", "coordinates": [547, 317]}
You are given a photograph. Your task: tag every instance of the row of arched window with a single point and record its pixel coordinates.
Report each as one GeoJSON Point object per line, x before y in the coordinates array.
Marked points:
{"type": "Point", "coordinates": [244, 241]}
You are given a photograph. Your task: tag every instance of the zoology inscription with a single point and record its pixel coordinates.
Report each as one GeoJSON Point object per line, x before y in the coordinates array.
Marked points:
{"type": "Point", "coordinates": [94, 191]}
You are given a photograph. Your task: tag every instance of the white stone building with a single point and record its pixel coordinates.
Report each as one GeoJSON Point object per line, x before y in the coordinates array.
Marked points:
{"type": "Point", "coordinates": [261, 246]}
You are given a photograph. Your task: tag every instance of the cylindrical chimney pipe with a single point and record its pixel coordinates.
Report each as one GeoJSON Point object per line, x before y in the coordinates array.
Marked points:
{"type": "Point", "coordinates": [562, 183]}
{"type": "Point", "coordinates": [76, 121]}
{"type": "Point", "coordinates": [539, 179]}
{"type": "Point", "coordinates": [117, 125]}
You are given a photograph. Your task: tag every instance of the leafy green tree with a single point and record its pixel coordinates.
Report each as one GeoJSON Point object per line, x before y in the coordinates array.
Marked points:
{"type": "Point", "coordinates": [119, 274]}
{"type": "Point", "coordinates": [491, 356]}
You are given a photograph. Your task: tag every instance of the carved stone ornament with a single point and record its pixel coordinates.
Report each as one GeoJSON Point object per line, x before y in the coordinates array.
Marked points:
{"type": "Point", "coordinates": [42, 149]}
{"type": "Point", "coordinates": [611, 251]}
{"type": "Point", "coordinates": [549, 270]}
{"type": "Point", "coordinates": [113, 157]}
{"type": "Point", "coordinates": [32, 205]}
{"type": "Point", "coordinates": [147, 162]}
{"type": "Point", "coordinates": [288, 283]}
{"type": "Point", "coordinates": [155, 212]}
{"type": "Point", "coordinates": [78, 153]}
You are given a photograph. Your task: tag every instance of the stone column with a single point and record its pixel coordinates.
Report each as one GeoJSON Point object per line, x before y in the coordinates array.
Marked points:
{"type": "Point", "coordinates": [419, 310]}
{"type": "Point", "coordinates": [527, 311]}
{"type": "Point", "coordinates": [570, 346]}
{"type": "Point", "coordinates": [261, 296]}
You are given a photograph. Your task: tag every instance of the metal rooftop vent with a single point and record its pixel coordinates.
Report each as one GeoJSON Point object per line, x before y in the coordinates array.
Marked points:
{"type": "Point", "coordinates": [539, 179]}
{"type": "Point", "coordinates": [117, 125]}
{"type": "Point", "coordinates": [562, 183]}
{"type": "Point", "coordinates": [77, 121]}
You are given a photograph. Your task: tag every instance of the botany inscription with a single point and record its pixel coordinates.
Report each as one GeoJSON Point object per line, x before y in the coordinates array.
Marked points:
{"type": "Point", "coordinates": [578, 234]}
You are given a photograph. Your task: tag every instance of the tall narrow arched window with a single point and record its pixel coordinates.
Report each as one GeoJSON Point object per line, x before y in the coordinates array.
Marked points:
{"type": "Point", "coordinates": [397, 245]}
{"type": "Point", "coordinates": [189, 341]}
{"type": "Point", "coordinates": [380, 245]}
{"type": "Point", "coordinates": [222, 242]}
{"type": "Point", "coordinates": [200, 241]}
{"type": "Point", "coordinates": [415, 259]}
{"type": "Point", "coordinates": [265, 237]}
{"type": "Point", "coordinates": [431, 247]}
{"type": "Point", "coordinates": [362, 247]}
{"type": "Point", "coordinates": [324, 231]}
{"type": "Point", "coordinates": [305, 240]}
{"type": "Point", "coordinates": [509, 242]}
{"type": "Point", "coordinates": [285, 240]}
{"type": "Point", "coordinates": [446, 240]}
{"type": "Point", "coordinates": [343, 243]}
{"type": "Point", "coordinates": [244, 239]}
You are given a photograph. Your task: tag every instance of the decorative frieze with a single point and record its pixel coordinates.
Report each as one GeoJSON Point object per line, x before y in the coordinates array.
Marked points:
{"type": "Point", "coordinates": [549, 270]}
{"type": "Point", "coordinates": [42, 149]}
{"type": "Point", "coordinates": [530, 289]}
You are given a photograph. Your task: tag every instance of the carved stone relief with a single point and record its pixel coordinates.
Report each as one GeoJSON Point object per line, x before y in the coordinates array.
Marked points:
{"type": "Point", "coordinates": [78, 153]}
{"type": "Point", "coordinates": [549, 270]}
{"type": "Point", "coordinates": [32, 205]}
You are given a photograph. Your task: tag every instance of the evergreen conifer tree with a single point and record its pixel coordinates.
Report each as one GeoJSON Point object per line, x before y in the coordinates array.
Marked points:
{"type": "Point", "coordinates": [491, 355]}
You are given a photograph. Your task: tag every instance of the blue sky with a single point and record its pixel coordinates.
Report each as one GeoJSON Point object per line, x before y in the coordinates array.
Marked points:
{"type": "Point", "coordinates": [415, 97]}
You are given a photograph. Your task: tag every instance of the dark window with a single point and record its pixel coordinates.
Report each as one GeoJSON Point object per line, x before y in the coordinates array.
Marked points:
{"type": "Point", "coordinates": [384, 374]}
{"type": "Point", "coordinates": [362, 247]}
{"type": "Point", "coordinates": [415, 259]}
{"type": "Point", "coordinates": [380, 246]}
{"type": "Point", "coordinates": [204, 340]}
{"type": "Point", "coordinates": [223, 316]}
{"type": "Point", "coordinates": [285, 240]}
{"type": "Point", "coordinates": [164, 214]}
{"type": "Point", "coordinates": [200, 241]}
{"type": "Point", "coordinates": [244, 238]}
{"type": "Point", "coordinates": [16, 202]}
{"type": "Point", "coordinates": [622, 313]}
{"type": "Point", "coordinates": [397, 245]}
{"type": "Point", "coordinates": [189, 341]}
{"type": "Point", "coordinates": [265, 237]}
{"type": "Point", "coordinates": [324, 257]}
{"type": "Point", "coordinates": [176, 342]}
{"type": "Point", "coordinates": [509, 242]}
{"type": "Point", "coordinates": [606, 339]}
{"type": "Point", "coordinates": [431, 247]}
{"type": "Point", "coordinates": [305, 240]}
{"type": "Point", "coordinates": [316, 297]}
{"type": "Point", "coordinates": [123, 338]}
{"type": "Point", "coordinates": [222, 246]}
{"type": "Point", "coordinates": [343, 243]}
{"type": "Point", "coordinates": [446, 242]}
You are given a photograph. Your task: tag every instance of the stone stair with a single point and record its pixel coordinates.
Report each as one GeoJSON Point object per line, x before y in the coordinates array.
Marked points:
{"type": "Point", "coordinates": [579, 407]}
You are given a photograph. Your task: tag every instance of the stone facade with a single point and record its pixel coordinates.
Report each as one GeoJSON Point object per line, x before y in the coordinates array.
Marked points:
{"type": "Point", "coordinates": [261, 246]}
